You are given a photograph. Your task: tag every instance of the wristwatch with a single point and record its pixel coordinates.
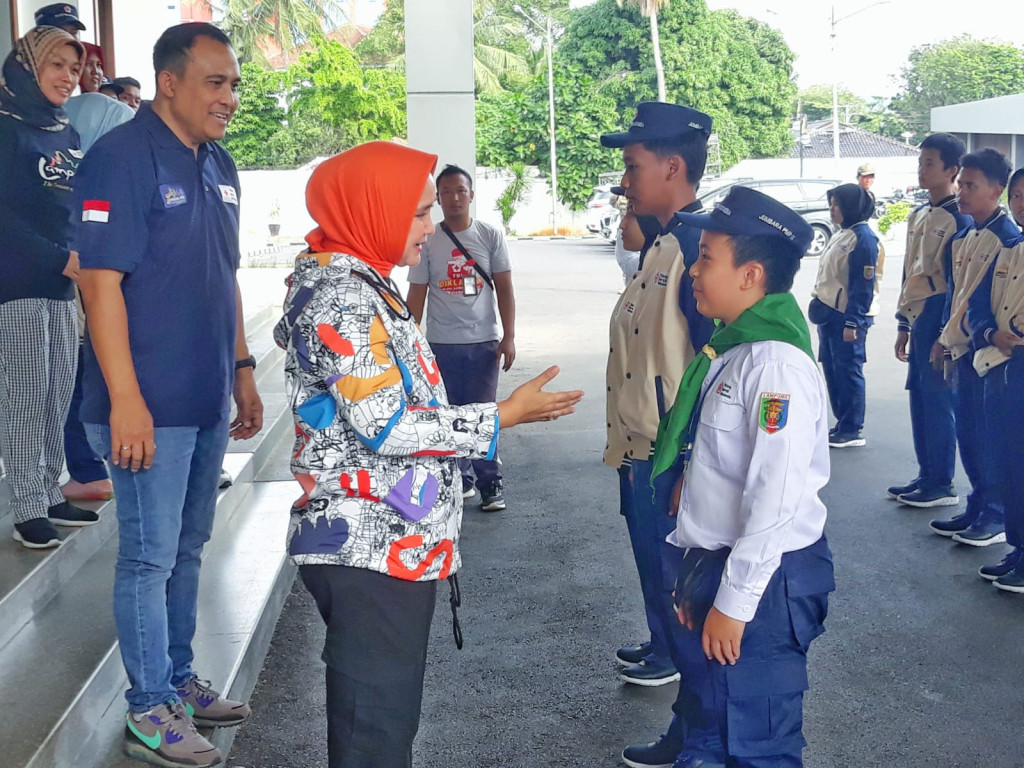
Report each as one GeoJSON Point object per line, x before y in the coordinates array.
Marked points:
{"type": "Point", "coordinates": [248, 362]}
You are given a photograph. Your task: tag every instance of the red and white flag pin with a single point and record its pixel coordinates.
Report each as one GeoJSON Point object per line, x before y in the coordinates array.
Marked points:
{"type": "Point", "coordinates": [96, 210]}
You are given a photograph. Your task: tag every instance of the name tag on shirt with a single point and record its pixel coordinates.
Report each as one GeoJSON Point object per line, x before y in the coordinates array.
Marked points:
{"type": "Point", "coordinates": [172, 195]}
{"type": "Point", "coordinates": [228, 194]}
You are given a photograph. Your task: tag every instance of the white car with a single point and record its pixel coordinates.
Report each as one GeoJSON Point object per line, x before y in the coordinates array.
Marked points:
{"type": "Point", "coordinates": [598, 206]}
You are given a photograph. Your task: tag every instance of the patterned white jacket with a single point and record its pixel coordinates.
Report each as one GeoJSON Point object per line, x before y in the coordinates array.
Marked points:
{"type": "Point", "coordinates": [375, 439]}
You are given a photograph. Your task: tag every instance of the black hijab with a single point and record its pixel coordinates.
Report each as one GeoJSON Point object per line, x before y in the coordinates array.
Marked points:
{"type": "Point", "coordinates": [20, 95]}
{"type": "Point", "coordinates": [854, 203]}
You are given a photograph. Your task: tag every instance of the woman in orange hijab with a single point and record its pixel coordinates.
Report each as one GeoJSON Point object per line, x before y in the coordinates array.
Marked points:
{"type": "Point", "coordinates": [378, 522]}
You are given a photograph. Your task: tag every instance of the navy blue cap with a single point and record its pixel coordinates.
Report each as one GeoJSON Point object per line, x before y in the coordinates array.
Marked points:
{"type": "Point", "coordinates": [657, 120]}
{"type": "Point", "coordinates": [58, 15]}
{"type": "Point", "coordinates": [746, 211]}
{"type": "Point", "coordinates": [112, 85]}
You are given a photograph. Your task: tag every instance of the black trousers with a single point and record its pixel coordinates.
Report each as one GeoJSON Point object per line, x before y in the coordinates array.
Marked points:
{"type": "Point", "coordinates": [376, 653]}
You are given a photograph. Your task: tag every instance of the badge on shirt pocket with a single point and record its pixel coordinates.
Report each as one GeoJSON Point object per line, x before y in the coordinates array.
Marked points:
{"type": "Point", "coordinates": [469, 287]}
{"type": "Point", "coordinates": [172, 195]}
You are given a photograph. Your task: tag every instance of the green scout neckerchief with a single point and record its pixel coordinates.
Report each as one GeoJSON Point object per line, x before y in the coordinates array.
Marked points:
{"type": "Point", "coordinates": [776, 317]}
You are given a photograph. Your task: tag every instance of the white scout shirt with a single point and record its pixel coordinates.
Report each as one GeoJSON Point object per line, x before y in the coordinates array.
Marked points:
{"type": "Point", "coordinates": [759, 458]}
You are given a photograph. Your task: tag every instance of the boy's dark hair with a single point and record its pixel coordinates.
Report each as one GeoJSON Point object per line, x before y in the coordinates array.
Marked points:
{"type": "Point", "coordinates": [991, 162]}
{"type": "Point", "coordinates": [123, 81]}
{"type": "Point", "coordinates": [171, 52]}
{"type": "Point", "coordinates": [780, 259]}
{"type": "Point", "coordinates": [1017, 178]}
{"type": "Point", "coordinates": [950, 148]}
{"type": "Point", "coordinates": [692, 147]}
{"type": "Point", "coordinates": [454, 170]}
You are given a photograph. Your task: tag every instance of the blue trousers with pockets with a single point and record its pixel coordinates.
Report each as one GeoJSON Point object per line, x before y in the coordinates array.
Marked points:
{"type": "Point", "coordinates": [931, 404]}
{"type": "Point", "coordinates": [972, 432]}
{"type": "Point", "coordinates": [1003, 389]}
{"type": "Point", "coordinates": [843, 365]}
{"type": "Point", "coordinates": [753, 710]}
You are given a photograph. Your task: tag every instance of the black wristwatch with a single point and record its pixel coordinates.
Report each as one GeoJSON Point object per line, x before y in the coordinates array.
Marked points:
{"type": "Point", "coordinates": [249, 362]}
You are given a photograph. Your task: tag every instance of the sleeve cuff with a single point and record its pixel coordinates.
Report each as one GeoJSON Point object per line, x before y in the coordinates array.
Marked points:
{"type": "Point", "coordinates": [736, 605]}
{"type": "Point", "coordinates": [987, 335]}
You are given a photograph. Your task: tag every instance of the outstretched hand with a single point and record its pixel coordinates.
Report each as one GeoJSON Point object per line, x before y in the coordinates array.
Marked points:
{"type": "Point", "coordinates": [529, 402]}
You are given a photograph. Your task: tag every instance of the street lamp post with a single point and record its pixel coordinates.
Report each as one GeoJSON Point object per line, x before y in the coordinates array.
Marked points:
{"type": "Point", "coordinates": [835, 76]}
{"type": "Point", "coordinates": [551, 114]}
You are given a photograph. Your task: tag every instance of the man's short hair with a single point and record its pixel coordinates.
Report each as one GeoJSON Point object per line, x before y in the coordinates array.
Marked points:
{"type": "Point", "coordinates": [692, 147]}
{"type": "Point", "coordinates": [950, 148]}
{"type": "Point", "coordinates": [171, 52]}
{"type": "Point", "coordinates": [454, 170]}
{"type": "Point", "coordinates": [126, 82]}
{"type": "Point", "coordinates": [992, 163]}
{"type": "Point", "coordinates": [780, 259]}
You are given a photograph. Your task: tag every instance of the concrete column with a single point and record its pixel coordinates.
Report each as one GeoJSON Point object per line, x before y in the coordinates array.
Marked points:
{"type": "Point", "coordinates": [439, 79]}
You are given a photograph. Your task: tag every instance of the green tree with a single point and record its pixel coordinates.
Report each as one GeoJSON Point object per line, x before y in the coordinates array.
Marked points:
{"type": "Point", "coordinates": [736, 69]}
{"type": "Point", "coordinates": [513, 195]}
{"type": "Point", "coordinates": [956, 71]}
{"type": "Point", "coordinates": [259, 116]}
{"type": "Point", "coordinates": [513, 128]}
{"type": "Point", "coordinates": [649, 9]}
{"type": "Point", "coordinates": [289, 23]}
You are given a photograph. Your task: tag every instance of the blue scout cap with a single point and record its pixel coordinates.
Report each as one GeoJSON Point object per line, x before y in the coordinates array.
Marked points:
{"type": "Point", "coordinates": [658, 120]}
{"type": "Point", "coordinates": [58, 15]}
{"type": "Point", "coordinates": [746, 211]}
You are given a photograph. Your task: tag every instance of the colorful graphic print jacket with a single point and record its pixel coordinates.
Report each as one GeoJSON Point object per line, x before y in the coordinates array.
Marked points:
{"type": "Point", "coordinates": [375, 439]}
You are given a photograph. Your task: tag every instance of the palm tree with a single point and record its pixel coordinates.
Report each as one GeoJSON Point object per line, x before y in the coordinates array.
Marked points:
{"type": "Point", "coordinates": [289, 23]}
{"type": "Point", "coordinates": [650, 8]}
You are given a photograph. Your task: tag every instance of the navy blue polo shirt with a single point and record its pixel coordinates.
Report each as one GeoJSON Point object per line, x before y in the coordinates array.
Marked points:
{"type": "Point", "coordinates": [148, 206]}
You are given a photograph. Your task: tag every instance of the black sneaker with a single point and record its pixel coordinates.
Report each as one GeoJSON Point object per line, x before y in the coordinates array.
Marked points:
{"type": "Point", "coordinates": [658, 754]}
{"type": "Point", "coordinates": [895, 491]}
{"type": "Point", "coordinates": [491, 498]}
{"type": "Point", "coordinates": [841, 440]}
{"type": "Point", "coordinates": [632, 654]}
{"type": "Point", "coordinates": [1012, 581]}
{"type": "Point", "coordinates": [650, 672]}
{"type": "Point", "coordinates": [993, 572]}
{"type": "Point", "coordinates": [956, 524]}
{"type": "Point", "coordinates": [225, 479]}
{"type": "Point", "coordinates": [70, 516]}
{"type": "Point", "coordinates": [468, 489]}
{"type": "Point", "coordinates": [36, 534]}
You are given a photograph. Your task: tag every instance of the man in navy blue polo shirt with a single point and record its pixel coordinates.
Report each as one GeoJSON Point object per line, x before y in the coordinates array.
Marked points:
{"type": "Point", "coordinates": [158, 238]}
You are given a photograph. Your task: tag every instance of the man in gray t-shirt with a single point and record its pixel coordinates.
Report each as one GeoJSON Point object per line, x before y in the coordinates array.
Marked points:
{"type": "Point", "coordinates": [465, 279]}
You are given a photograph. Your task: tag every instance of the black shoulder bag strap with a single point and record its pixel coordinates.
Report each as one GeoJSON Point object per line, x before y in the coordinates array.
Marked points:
{"type": "Point", "coordinates": [461, 247]}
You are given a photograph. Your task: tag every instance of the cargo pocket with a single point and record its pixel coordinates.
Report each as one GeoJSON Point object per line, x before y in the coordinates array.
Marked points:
{"type": "Point", "coordinates": [807, 591]}
{"type": "Point", "coordinates": [764, 710]}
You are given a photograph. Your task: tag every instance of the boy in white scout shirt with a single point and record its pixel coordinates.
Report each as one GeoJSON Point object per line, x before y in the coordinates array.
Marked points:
{"type": "Point", "coordinates": [983, 176]}
{"type": "Point", "coordinates": [751, 421]}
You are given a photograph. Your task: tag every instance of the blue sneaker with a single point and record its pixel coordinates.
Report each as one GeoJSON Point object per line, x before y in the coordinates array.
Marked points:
{"type": "Point", "coordinates": [658, 754]}
{"type": "Point", "coordinates": [895, 491]}
{"type": "Point", "coordinates": [650, 672]}
{"type": "Point", "coordinates": [940, 497]}
{"type": "Point", "coordinates": [993, 572]}
{"type": "Point", "coordinates": [982, 533]}
{"type": "Point", "coordinates": [1013, 581]}
{"type": "Point", "coordinates": [956, 524]}
{"type": "Point", "coordinates": [632, 654]}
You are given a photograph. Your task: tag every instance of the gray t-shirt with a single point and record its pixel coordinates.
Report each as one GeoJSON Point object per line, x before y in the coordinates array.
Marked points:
{"type": "Point", "coordinates": [452, 317]}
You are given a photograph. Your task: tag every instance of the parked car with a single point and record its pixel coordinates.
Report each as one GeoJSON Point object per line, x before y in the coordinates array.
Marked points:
{"type": "Point", "coordinates": [598, 206]}
{"type": "Point", "coordinates": [808, 197]}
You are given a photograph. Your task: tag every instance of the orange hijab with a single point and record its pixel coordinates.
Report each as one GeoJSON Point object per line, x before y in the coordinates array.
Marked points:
{"type": "Point", "coordinates": [364, 200]}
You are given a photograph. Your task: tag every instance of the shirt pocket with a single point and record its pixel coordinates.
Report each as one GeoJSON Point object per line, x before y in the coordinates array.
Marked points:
{"type": "Point", "coordinates": [719, 433]}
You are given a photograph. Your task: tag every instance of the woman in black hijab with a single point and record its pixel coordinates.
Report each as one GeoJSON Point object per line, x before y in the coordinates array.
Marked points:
{"type": "Point", "coordinates": [841, 308]}
{"type": "Point", "coordinates": [39, 153]}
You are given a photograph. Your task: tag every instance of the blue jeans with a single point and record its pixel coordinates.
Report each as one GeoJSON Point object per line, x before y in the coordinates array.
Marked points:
{"type": "Point", "coordinates": [165, 514]}
{"type": "Point", "coordinates": [470, 374]}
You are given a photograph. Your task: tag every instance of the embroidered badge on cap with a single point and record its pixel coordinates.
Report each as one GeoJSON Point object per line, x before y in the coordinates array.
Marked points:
{"type": "Point", "coordinates": [228, 194]}
{"type": "Point", "coordinates": [96, 210]}
{"type": "Point", "coordinates": [869, 272]}
{"type": "Point", "coordinates": [774, 412]}
{"type": "Point", "coordinates": [172, 195]}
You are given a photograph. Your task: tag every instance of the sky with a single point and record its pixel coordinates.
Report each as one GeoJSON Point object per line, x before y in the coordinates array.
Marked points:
{"type": "Point", "coordinates": [873, 44]}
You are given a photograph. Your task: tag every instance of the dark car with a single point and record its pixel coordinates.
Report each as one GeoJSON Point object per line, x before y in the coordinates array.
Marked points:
{"type": "Point", "coordinates": [808, 197]}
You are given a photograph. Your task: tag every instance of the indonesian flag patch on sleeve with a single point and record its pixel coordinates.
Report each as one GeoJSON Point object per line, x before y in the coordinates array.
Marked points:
{"type": "Point", "coordinates": [96, 210]}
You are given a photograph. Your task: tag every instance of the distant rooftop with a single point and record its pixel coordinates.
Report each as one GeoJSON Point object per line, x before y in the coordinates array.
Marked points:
{"type": "Point", "coordinates": [853, 142]}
